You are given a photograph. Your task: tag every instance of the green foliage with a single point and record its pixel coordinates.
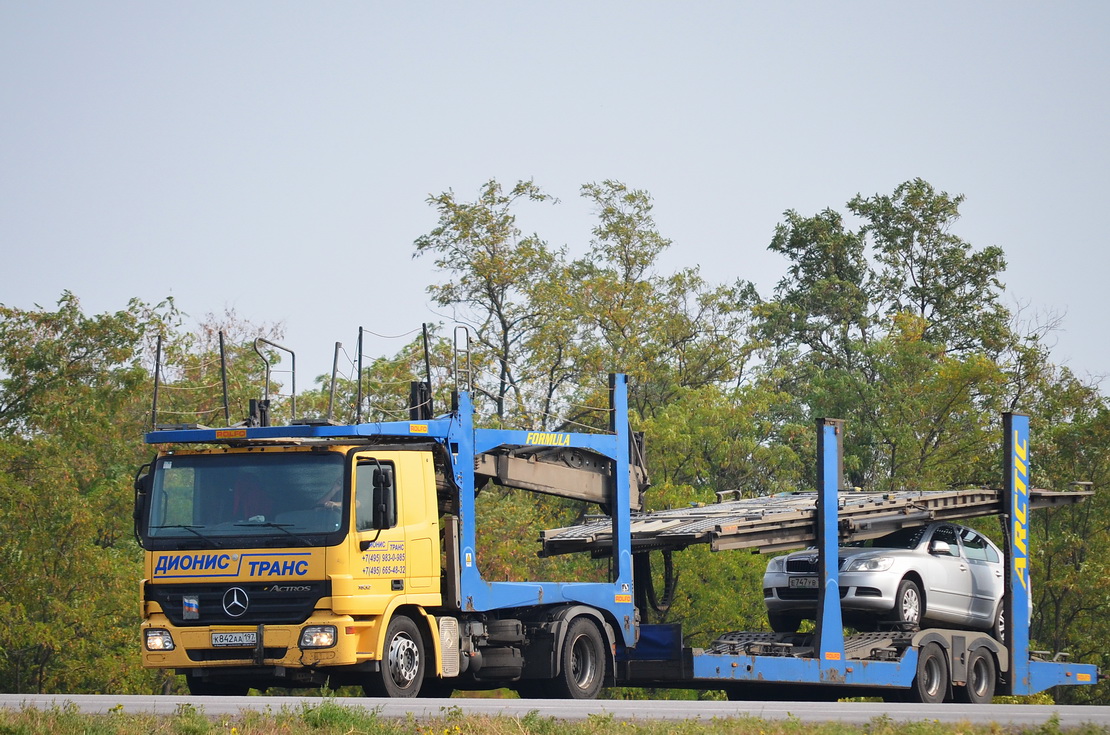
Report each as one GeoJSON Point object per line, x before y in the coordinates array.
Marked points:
{"type": "Point", "coordinates": [334, 717]}
{"type": "Point", "coordinates": [192, 374]}
{"type": "Point", "coordinates": [74, 402]}
{"type": "Point", "coordinates": [341, 720]}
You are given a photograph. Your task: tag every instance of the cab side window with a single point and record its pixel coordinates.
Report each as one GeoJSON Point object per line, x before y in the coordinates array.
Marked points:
{"type": "Point", "coordinates": [375, 496]}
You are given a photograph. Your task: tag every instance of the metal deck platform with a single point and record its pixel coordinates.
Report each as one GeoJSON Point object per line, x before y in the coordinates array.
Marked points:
{"type": "Point", "coordinates": [784, 522]}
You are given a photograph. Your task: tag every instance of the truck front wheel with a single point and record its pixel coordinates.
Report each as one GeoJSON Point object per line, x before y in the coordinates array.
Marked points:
{"type": "Point", "coordinates": [583, 661]}
{"type": "Point", "coordinates": [402, 668]}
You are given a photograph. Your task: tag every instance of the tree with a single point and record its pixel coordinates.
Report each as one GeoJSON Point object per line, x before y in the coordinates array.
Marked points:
{"type": "Point", "coordinates": [193, 371]}
{"type": "Point", "coordinates": [666, 332]}
{"type": "Point", "coordinates": [898, 328]}
{"type": "Point", "coordinates": [492, 271]}
{"type": "Point", "coordinates": [75, 399]}
{"type": "Point", "coordinates": [931, 273]}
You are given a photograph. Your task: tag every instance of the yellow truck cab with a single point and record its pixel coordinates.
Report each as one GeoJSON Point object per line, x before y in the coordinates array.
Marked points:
{"type": "Point", "coordinates": [286, 560]}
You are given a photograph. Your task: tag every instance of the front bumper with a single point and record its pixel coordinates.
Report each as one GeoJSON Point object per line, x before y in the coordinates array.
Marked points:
{"type": "Point", "coordinates": [276, 645]}
{"type": "Point", "coordinates": [864, 592]}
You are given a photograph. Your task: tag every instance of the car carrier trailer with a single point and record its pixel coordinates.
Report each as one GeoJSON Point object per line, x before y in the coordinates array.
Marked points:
{"type": "Point", "coordinates": [380, 583]}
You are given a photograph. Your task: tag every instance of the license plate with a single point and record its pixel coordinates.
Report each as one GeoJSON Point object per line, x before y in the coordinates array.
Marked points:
{"type": "Point", "coordinates": [249, 638]}
{"type": "Point", "coordinates": [804, 582]}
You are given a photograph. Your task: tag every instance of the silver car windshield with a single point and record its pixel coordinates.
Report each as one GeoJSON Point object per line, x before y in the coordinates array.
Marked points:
{"type": "Point", "coordinates": [903, 538]}
{"type": "Point", "coordinates": [240, 494]}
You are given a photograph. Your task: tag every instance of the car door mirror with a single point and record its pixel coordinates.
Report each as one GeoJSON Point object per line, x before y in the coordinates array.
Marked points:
{"type": "Point", "coordinates": [940, 548]}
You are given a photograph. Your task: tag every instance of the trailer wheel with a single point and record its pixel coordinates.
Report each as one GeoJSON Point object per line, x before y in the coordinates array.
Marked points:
{"type": "Point", "coordinates": [930, 686]}
{"type": "Point", "coordinates": [583, 661]}
{"type": "Point", "coordinates": [981, 678]}
{"type": "Point", "coordinates": [909, 605]}
{"type": "Point", "coordinates": [402, 671]}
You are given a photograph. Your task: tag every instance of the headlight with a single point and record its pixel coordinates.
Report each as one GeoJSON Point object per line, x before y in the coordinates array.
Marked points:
{"type": "Point", "coordinates": [318, 636]}
{"type": "Point", "coordinates": [158, 639]}
{"type": "Point", "coordinates": [870, 564]}
{"type": "Point", "coordinates": [776, 564]}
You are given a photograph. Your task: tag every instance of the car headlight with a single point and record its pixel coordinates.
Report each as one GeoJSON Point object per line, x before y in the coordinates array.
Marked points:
{"type": "Point", "coordinates": [318, 636]}
{"type": "Point", "coordinates": [158, 639]}
{"type": "Point", "coordinates": [776, 564]}
{"type": "Point", "coordinates": [870, 564]}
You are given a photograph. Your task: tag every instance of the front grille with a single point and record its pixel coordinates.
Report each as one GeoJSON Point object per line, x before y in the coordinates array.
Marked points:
{"type": "Point", "coordinates": [802, 593]}
{"type": "Point", "coordinates": [806, 564]}
{"type": "Point", "coordinates": [233, 654]}
{"type": "Point", "coordinates": [268, 603]}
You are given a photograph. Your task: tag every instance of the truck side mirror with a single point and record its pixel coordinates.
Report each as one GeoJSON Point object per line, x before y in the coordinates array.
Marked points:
{"type": "Point", "coordinates": [144, 482]}
{"type": "Point", "coordinates": [385, 513]}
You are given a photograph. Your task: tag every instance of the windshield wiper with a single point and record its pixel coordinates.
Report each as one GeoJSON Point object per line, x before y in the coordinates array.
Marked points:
{"type": "Point", "coordinates": [283, 527]}
{"type": "Point", "coordinates": [193, 530]}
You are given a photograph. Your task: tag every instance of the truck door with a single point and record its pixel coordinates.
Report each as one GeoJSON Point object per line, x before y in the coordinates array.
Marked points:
{"type": "Point", "coordinates": [396, 524]}
{"type": "Point", "coordinates": [381, 566]}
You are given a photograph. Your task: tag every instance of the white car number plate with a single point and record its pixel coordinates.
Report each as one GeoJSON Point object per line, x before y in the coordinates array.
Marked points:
{"type": "Point", "coordinates": [248, 638]}
{"type": "Point", "coordinates": [805, 582]}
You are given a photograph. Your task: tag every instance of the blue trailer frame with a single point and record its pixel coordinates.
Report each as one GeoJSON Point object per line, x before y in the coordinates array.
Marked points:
{"type": "Point", "coordinates": [829, 665]}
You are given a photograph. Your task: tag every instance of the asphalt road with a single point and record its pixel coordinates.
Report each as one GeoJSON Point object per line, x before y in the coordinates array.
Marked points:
{"type": "Point", "coordinates": [851, 712]}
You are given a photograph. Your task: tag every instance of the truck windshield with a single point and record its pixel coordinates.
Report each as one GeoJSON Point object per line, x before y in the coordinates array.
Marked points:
{"type": "Point", "coordinates": [216, 496]}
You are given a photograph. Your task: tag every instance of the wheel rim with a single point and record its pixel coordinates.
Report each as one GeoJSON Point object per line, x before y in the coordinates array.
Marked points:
{"type": "Point", "coordinates": [583, 662]}
{"type": "Point", "coordinates": [404, 660]}
{"type": "Point", "coordinates": [911, 605]}
{"type": "Point", "coordinates": [979, 677]}
{"type": "Point", "coordinates": [931, 678]}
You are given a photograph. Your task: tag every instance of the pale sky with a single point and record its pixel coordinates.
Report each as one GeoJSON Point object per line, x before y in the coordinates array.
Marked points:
{"type": "Point", "coordinates": [276, 157]}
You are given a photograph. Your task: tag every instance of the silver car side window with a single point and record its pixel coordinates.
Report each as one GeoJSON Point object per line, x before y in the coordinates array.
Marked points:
{"type": "Point", "coordinates": [976, 546]}
{"type": "Point", "coordinates": [946, 534]}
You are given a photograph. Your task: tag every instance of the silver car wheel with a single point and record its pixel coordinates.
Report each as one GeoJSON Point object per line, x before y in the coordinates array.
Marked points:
{"type": "Point", "coordinates": [909, 603]}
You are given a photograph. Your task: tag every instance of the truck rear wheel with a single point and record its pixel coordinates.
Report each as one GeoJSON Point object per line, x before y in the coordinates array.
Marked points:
{"type": "Point", "coordinates": [583, 661]}
{"type": "Point", "coordinates": [930, 686]}
{"type": "Point", "coordinates": [401, 673]}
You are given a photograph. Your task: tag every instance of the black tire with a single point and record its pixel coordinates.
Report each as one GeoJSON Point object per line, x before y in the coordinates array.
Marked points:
{"type": "Point", "coordinates": [982, 676]}
{"type": "Point", "coordinates": [201, 688]}
{"type": "Point", "coordinates": [784, 622]}
{"type": "Point", "coordinates": [401, 673]}
{"type": "Point", "coordinates": [909, 604]}
{"type": "Point", "coordinates": [930, 685]}
{"type": "Point", "coordinates": [583, 662]}
{"type": "Point", "coordinates": [998, 630]}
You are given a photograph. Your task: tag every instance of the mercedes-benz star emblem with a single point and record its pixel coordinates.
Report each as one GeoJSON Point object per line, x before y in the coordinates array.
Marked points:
{"type": "Point", "coordinates": [235, 602]}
